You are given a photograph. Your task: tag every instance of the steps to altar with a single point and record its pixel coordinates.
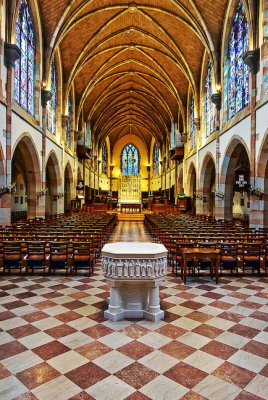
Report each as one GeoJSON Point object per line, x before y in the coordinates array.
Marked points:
{"type": "Point", "coordinates": [130, 216]}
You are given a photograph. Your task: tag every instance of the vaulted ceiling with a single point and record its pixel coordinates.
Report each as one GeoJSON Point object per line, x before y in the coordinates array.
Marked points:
{"type": "Point", "coordinates": [132, 64]}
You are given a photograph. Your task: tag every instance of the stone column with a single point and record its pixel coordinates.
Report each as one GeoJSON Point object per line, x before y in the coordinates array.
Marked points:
{"type": "Point", "coordinates": [11, 55]}
{"type": "Point", "coordinates": [216, 99]}
{"type": "Point", "coordinates": [251, 58]}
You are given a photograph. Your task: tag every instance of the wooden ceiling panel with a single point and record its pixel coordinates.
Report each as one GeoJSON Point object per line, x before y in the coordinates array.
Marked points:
{"type": "Point", "coordinates": [132, 63]}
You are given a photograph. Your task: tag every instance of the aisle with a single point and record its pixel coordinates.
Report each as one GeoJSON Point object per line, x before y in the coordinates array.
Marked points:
{"type": "Point", "coordinates": [55, 342]}
{"type": "Point", "coordinates": [130, 231]}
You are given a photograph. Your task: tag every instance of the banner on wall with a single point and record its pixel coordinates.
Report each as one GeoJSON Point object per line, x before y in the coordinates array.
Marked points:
{"type": "Point", "coordinates": [80, 189]}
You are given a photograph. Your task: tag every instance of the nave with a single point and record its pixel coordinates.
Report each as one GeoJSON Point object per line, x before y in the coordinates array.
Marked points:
{"type": "Point", "coordinates": [55, 343]}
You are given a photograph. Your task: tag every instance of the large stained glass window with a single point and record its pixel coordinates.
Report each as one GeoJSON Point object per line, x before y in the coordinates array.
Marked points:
{"type": "Point", "coordinates": [68, 126]}
{"type": "Point", "coordinates": [236, 73]}
{"type": "Point", "coordinates": [192, 125]}
{"type": "Point", "coordinates": [209, 106]}
{"type": "Point", "coordinates": [104, 159]}
{"type": "Point", "coordinates": [156, 158]}
{"type": "Point", "coordinates": [24, 81]}
{"type": "Point", "coordinates": [130, 160]}
{"type": "Point", "coordinates": [52, 104]}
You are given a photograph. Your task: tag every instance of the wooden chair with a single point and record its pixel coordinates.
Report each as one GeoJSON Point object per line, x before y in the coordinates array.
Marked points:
{"type": "Point", "coordinates": [251, 257]}
{"type": "Point", "coordinates": [264, 257]}
{"type": "Point", "coordinates": [82, 257]}
{"type": "Point", "coordinates": [229, 257]}
{"type": "Point", "coordinates": [37, 256]}
{"type": "Point", "coordinates": [59, 256]}
{"type": "Point", "coordinates": [12, 256]}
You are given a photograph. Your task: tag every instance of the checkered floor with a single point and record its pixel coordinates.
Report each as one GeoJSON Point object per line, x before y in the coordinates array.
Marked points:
{"type": "Point", "coordinates": [55, 343]}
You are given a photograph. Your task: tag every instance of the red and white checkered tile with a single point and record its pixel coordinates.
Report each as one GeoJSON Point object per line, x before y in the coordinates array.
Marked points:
{"type": "Point", "coordinates": [55, 343]}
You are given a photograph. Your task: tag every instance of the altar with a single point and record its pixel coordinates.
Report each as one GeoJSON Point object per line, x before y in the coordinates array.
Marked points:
{"type": "Point", "coordinates": [129, 191]}
{"type": "Point", "coordinates": [134, 271]}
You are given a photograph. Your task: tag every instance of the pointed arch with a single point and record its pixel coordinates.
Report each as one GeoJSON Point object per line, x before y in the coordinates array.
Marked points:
{"type": "Point", "coordinates": [130, 160]}
{"type": "Point", "coordinates": [24, 79]}
{"type": "Point", "coordinates": [104, 158]}
{"type": "Point", "coordinates": [156, 152]}
{"type": "Point", "coordinates": [235, 72]}
{"type": "Point", "coordinates": [52, 104]}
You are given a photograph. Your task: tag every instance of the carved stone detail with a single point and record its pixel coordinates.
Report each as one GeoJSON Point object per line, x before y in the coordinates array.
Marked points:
{"type": "Point", "coordinates": [46, 96]}
{"type": "Point", "coordinates": [252, 59]}
{"type": "Point", "coordinates": [11, 54]}
{"type": "Point", "coordinates": [134, 268]}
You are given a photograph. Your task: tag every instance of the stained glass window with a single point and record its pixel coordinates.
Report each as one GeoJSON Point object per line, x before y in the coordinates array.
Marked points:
{"type": "Point", "coordinates": [156, 158]}
{"type": "Point", "coordinates": [68, 126]}
{"type": "Point", "coordinates": [192, 125]}
{"type": "Point", "coordinates": [236, 73]}
{"type": "Point", "coordinates": [209, 106]}
{"type": "Point", "coordinates": [104, 158]}
{"type": "Point", "coordinates": [52, 104]}
{"type": "Point", "coordinates": [24, 81]}
{"type": "Point", "coordinates": [130, 160]}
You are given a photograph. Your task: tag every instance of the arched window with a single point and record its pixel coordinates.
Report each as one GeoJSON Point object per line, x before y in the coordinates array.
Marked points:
{"type": "Point", "coordinates": [156, 158]}
{"type": "Point", "coordinates": [130, 160]}
{"type": "Point", "coordinates": [69, 121]}
{"type": "Point", "coordinates": [209, 106]}
{"type": "Point", "coordinates": [192, 125]}
{"type": "Point", "coordinates": [24, 81]}
{"type": "Point", "coordinates": [52, 104]}
{"type": "Point", "coordinates": [236, 73]}
{"type": "Point", "coordinates": [104, 158]}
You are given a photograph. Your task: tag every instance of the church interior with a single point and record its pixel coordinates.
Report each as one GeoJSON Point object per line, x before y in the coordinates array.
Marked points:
{"type": "Point", "coordinates": [139, 121]}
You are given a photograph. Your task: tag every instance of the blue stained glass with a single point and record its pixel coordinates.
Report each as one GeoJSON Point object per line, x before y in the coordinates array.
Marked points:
{"type": "Point", "coordinates": [236, 73]}
{"type": "Point", "coordinates": [68, 126]}
{"type": "Point", "coordinates": [156, 158]}
{"type": "Point", "coordinates": [192, 125]}
{"type": "Point", "coordinates": [130, 160]}
{"type": "Point", "coordinates": [209, 106]}
{"type": "Point", "coordinates": [104, 158]}
{"type": "Point", "coordinates": [52, 104]}
{"type": "Point", "coordinates": [25, 66]}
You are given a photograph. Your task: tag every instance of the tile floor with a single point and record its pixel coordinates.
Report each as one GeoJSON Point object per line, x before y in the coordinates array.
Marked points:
{"type": "Point", "coordinates": [55, 343]}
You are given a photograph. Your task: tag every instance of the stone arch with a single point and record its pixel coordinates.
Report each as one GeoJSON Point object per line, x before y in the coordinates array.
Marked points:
{"type": "Point", "coordinates": [191, 184]}
{"type": "Point", "coordinates": [26, 174]}
{"type": "Point", "coordinates": [68, 186]}
{"type": "Point", "coordinates": [207, 185]}
{"type": "Point", "coordinates": [236, 154]}
{"type": "Point", "coordinates": [37, 25]}
{"type": "Point", "coordinates": [53, 184]}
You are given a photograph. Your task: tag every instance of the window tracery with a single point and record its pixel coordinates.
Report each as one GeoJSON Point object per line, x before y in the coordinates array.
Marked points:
{"type": "Point", "coordinates": [24, 81]}
{"type": "Point", "coordinates": [130, 160]}
{"type": "Point", "coordinates": [236, 73]}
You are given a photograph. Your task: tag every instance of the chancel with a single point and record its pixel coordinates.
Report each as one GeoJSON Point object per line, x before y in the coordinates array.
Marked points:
{"type": "Point", "coordinates": [132, 122]}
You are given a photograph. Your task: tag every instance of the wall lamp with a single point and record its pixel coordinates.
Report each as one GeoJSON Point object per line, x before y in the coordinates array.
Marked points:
{"type": "Point", "coordinates": [256, 192]}
{"type": "Point", "coordinates": [42, 193]}
{"type": "Point", "coordinates": [219, 195]}
{"type": "Point", "coordinates": [4, 190]}
{"type": "Point", "coordinates": [57, 196]}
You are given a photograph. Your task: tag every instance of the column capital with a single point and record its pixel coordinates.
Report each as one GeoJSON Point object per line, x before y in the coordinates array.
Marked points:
{"type": "Point", "coordinates": [252, 59]}
{"type": "Point", "coordinates": [197, 123]}
{"type": "Point", "coordinates": [64, 120]}
{"type": "Point", "coordinates": [12, 53]}
{"type": "Point", "coordinates": [46, 96]}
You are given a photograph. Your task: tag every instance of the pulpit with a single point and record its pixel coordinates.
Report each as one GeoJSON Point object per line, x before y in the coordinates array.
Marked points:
{"type": "Point", "coordinates": [134, 271]}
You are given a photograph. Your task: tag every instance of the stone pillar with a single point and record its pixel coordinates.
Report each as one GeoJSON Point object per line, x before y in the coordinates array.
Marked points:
{"type": "Point", "coordinates": [251, 58]}
{"type": "Point", "coordinates": [154, 300]}
{"type": "Point", "coordinates": [264, 49]}
{"type": "Point", "coordinates": [176, 183]}
{"type": "Point", "coordinates": [11, 55]}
